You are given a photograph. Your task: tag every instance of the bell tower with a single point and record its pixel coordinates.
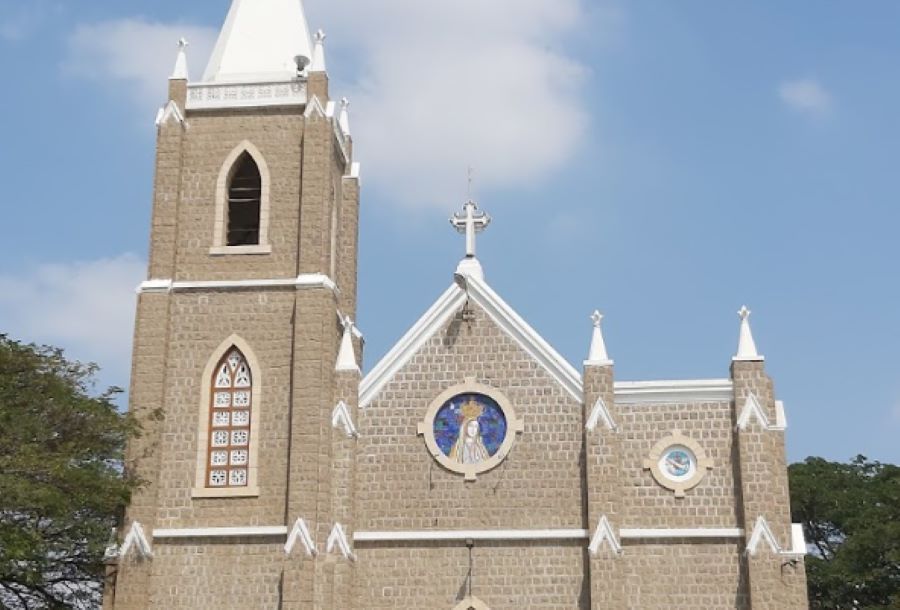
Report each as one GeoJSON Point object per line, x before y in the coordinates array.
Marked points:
{"type": "Point", "coordinates": [245, 369]}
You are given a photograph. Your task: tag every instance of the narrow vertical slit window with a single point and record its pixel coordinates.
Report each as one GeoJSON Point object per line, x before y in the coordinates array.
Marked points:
{"type": "Point", "coordinates": [244, 203]}
{"type": "Point", "coordinates": [228, 454]}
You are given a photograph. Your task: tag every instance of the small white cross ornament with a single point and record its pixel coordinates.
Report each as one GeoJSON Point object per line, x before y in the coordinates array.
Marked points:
{"type": "Point", "coordinates": [470, 221]}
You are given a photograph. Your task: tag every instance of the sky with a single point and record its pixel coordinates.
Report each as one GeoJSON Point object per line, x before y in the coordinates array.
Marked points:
{"type": "Point", "coordinates": [664, 162]}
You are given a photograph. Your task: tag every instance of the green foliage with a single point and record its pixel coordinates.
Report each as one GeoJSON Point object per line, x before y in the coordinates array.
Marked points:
{"type": "Point", "coordinates": [62, 485]}
{"type": "Point", "coordinates": [851, 518]}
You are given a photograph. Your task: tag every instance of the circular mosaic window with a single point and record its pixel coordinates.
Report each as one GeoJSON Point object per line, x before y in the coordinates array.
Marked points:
{"type": "Point", "coordinates": [469, 429]}
{"type": "Point", "coordinates": [678, 463]}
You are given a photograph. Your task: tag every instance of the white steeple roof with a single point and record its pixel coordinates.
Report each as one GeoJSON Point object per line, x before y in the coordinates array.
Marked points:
{"type": "Point", "coordinates": [260, 41]}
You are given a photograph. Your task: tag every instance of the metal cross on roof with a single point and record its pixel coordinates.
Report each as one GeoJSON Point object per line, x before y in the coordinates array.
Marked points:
{"type": "Point", "coordinates": [470, 221]}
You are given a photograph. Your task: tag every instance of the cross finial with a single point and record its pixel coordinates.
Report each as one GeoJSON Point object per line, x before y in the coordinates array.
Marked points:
{"type": "Point", "coordinates": [183, 43]}
{"type": "Point", "coordinates": [470, 221]}
{"type": "Point", "coordinates": [746, 345]}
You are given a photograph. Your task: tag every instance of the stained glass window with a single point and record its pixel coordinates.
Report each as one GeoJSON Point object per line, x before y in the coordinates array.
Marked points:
{"type": "Point", "coordinates": [228, 456]}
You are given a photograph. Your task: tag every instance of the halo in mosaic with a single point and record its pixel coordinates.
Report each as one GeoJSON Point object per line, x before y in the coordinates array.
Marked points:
{"type": "Point", "coordinates": [470, 428]}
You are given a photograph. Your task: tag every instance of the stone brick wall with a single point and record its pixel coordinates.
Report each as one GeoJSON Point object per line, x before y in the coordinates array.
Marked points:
{"type": "Point", "coordinates": [538, 486]}
{"type": "Point", "coordinates": [505, 576]}
{"type": "Point", "coordinates": [713, 503]}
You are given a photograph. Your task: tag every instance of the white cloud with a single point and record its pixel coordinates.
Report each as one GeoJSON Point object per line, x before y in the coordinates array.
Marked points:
{"type": "Point", "coordinates": [136, 53]}
{"type": "Point", "coordinates": [806, 96]}
{"type": "Point", "coordinates": [445, 84]}
{"type": "Point", "coordinates": [86, 308]}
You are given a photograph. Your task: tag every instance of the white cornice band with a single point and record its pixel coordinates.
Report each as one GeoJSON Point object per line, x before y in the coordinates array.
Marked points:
{"type": "Point", "coordinates": [694, 390]}
{"type": "Point", "coordinates": [305, 281]}
{"type": "Point", "coordinates": [222, 532]}
{"type": "Point", "coordinates": [547, 534]}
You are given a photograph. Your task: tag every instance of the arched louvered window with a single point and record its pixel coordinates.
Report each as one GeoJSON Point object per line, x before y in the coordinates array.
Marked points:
{"type": "Point", "coordinates": [244, 203]}
{"type": "Point", "coordinates": [228, 454]}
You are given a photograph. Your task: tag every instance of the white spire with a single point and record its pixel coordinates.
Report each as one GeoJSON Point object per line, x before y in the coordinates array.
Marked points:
{"type": "Point", "coordinates": [346, 360]}
{"type": "Point", "coordinates": [318, 57]}
{"type": "Point", "coordinates": [746, 351]}
{"type": "Point", "coordinates": [345, 116]}
{"type": "Point", "coordinates": [181, 68]}
{"type": "Point", "coordinates": [598, 355]}
{"type": "Point", "coordinates": [261, 41]}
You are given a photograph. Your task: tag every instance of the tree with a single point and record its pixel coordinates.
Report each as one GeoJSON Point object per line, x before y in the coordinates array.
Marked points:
{"type": "Point", "coordinates": [62, 481]}
{"type": "Point", "coordinates": [851, 518]}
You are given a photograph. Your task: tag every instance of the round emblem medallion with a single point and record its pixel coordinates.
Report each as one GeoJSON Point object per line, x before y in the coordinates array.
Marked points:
{"type": "Point", "coordinates": [678, 463]}
{"type": "Point", "coordinates": [469, 429]}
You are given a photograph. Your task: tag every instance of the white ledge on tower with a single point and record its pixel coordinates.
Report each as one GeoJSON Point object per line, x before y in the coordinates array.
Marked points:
{"type": "Point", "coordinates": [746, 345]}
{"type": "Point", "coordinates": [598, 355]}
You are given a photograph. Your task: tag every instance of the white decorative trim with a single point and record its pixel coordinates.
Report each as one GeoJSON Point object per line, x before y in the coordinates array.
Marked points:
{"type": "Point", "coordinates": [300, 533]}
{"type": "Point", "coordinates": [695, 532]}
{"type": "Point", "coordinates": [600, 414]}
{"type": "Point", "coordinates": [340, 417]}
{"type": "Point", "coordinates": [604, 533]}
{"type": "Point", "coordinates": [440, 313]}
{"type": "Point", "coordinates": [170, 111]}
{"type": "Point", "coordinates": [311, 280]}
{"type": "Point", "coordinates": [155, 287]}
{"type": "Point", "coordinates": [137, 540]}
{"type": "Point", "coordinates": [798, 540]}
{"type": "Point", "coordinates": [315, 109]}
{"type": "Point", "coordinates": [355, 169]}
{"type": "Point", "coordinates": [213, 96]}
{"type": "Point", "coordinates": [338, 538]}
{"type": "Point", "coordinates": [687, 391]}
{"type": "Point", "coordinates": [752, 409]}
{"type": "Point", "coordinates": [457, 535]}
{"type": "Point", "coordinates": [762, 533]}
{"type": "Point", "coordinates": [261, 531]}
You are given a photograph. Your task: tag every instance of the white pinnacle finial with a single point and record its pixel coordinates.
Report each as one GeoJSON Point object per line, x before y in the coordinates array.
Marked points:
{"type": "Point", "coordinates": [746, 345]}
{"type": "Point", "coordinates": [318, 58]}
{"type": "Point", "coordinates": [598, 355]}
{"type": "Point", "coordinates": [346, 360]}
{"type": "Point", "coordinates": [344, 119]}
{"type": "Point", "coordinates": [181, 68]}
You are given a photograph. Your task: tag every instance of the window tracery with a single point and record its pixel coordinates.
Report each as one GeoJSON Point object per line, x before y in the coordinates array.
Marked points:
{"type": "Point", "coordinates": [228, 450]}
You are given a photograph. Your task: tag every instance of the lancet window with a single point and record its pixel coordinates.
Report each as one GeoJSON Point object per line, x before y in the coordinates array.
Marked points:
{"type": "Point", "coordinates": [244, 203]}
{"type": "Point", "coordinates": [231, 399]}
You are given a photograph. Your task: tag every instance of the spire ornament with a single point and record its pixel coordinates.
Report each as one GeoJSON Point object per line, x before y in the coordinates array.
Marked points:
{"type": "Point", "coordinates": [318, 58]}
{"type": "Point", "coordinates": [180, 72]}
{"type": "Point", "coordinates": [746, 351]}
{"type": "Point", "coordinates": [598, 356]}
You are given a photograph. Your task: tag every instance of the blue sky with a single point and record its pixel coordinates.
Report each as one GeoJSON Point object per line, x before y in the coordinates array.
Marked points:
{"type": "Point", "coordinates": [663, 162]}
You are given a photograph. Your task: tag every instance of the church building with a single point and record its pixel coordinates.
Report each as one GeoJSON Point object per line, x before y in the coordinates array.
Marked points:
{"type": "Point", "coordinates": [473, 467]}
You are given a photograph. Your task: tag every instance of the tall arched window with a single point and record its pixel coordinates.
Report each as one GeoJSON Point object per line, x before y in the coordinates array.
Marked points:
{"type": "Point", "coordinates": [228, 450]}
{"type": "Point", "coordinates": [244, 203]}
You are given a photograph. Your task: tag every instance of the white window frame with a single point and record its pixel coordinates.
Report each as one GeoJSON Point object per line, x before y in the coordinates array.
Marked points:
{"type": "Point", "coordinates": [220, 245]}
